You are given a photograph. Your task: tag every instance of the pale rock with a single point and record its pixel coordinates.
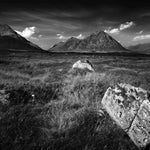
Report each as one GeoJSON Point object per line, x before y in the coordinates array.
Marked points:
{"type": "Point", "coordinates": [129, 106]}
{"type": "Point", "coordinates": [83, 65]}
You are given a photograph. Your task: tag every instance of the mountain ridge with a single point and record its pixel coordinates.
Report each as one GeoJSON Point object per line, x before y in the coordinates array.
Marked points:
{"type": "Point", "coordinates": [141, 48]}
{"type": "Point", "coordinates": [96, 42]}
{"type": "Point", "coordinates": [11, 40]}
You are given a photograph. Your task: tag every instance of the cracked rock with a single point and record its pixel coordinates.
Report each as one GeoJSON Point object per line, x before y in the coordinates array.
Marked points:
{"type": "Point", "coordinates": [129, 106]}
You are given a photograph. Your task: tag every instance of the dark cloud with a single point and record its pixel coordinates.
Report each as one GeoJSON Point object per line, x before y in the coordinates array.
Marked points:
{"type": "Point", "coordinates": [103, 7]}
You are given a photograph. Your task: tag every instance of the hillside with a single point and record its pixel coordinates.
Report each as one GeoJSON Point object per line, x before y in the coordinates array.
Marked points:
{"type": "Point", "coordinates": [11, 40]}
{"type": "Point", "coordinates": [96, 42]}
{"type": "Point", "coordinates": [141, 48]}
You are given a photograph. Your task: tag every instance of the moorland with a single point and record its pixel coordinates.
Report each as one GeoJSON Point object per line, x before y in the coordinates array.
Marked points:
{"type": "Point", "coordinates": [46, 105]}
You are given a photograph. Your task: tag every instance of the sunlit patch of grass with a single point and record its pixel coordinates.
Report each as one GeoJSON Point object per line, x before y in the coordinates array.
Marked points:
{"type": "Point", "coordinates": [85, 89]}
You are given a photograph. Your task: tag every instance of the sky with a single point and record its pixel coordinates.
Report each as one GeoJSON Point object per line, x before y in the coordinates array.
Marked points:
{"type": "Point", "coordinates": [47, 22]}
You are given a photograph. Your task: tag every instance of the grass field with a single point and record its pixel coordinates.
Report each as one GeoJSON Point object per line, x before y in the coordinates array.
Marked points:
{"type": "Point", "coordinates": [44, 106]}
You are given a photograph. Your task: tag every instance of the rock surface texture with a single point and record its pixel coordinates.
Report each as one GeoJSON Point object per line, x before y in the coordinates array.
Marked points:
{"type": "Point", "coordinates": [83, 65]}
{"type": "Point", "coordinates": [81, 68]}
{"type": "Point", "coordinates": [129, 106]}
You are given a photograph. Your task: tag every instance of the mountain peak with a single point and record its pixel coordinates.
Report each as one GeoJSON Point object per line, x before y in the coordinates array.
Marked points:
{"type": "Point", "coordinates": [96, 42]}
{"type": "Point", "coordinates": [6, 30]}
{"type": "Point", "coordinates": [4, 26]}
{"type": "Point", "coordinates": [100, 41]}
{"type": "Point", "coordinates": [72, 39]}
{"type": "Point", "coordinates": [10, 39]}
{"type": "Point", "coordinates": [101, 34]}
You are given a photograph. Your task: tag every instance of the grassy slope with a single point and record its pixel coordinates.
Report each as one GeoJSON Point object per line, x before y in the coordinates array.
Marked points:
{"type": "Point", "coordinates": [66, 112]}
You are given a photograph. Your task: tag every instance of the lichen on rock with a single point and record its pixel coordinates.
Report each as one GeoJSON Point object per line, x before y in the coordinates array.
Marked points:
{"type": "Point", "coordinates": [129, 106]}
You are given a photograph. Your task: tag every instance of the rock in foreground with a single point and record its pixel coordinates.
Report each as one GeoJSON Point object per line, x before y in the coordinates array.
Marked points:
{"type": "Point", "coordinates": [130, 108]}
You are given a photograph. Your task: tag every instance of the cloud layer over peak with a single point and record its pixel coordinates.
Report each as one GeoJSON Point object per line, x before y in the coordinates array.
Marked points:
{"type": "Point", "coordinates": [121, 27]}
{"type": "Point", "coordinates": [62, 37]}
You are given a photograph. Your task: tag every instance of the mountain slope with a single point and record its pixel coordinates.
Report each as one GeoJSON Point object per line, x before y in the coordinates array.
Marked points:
{"type": "Point", "coordinates": [11, 40]}
{"type": "Point", "coordinates": [141, 48]}
{"type": "Point", "coordinates": [96, 42]}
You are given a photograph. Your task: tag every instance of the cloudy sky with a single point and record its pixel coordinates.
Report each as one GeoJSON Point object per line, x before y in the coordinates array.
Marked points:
{"type": "Point", "coordinates": [47, 22]}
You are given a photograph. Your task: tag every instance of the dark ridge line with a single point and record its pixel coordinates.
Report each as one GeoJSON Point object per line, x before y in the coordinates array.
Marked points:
{"type": "Point", "coordinates": [125, 54]}
{"type": "Point", "coordinates": [102, 54]}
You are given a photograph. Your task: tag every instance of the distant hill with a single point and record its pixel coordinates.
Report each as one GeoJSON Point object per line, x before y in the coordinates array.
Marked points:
{"type": "Point", "coordinates": [96, 42]}
{"type": "Point", "coordinates": [11, 40]}
{"type": "Point", "coordinates": [58, 45]}
{"type": "Point", "coordinates": [141, 48]}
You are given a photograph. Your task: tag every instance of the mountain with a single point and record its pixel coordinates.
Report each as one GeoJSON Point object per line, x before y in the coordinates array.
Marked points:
{"type": "Point", "coordinates": [141, 48]}
{"type": "Point", "coordinates": [58, 45]}
{"type": "Point", "coordinates": [11, 40]}
{"type": "Point", "coordinates": [96, 42]}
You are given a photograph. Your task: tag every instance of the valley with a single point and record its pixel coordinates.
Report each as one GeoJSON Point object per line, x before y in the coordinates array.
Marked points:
{"type": "Point", "coordinates": [46, 104]}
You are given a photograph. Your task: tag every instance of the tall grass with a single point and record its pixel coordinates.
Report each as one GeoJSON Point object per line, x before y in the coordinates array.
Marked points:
{"type": "Point", "coordinates": [85, 90]}
{"type": "Point", "coordinates": [72, 120]}
{"type": "Point", "coordinates": [53, 127]}
{"type": "Point", "coordinates": [66, 112]}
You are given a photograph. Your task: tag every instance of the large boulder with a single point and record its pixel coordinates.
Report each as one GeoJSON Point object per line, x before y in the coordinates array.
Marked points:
{"type": "Point", "coordinates": [129, 106]}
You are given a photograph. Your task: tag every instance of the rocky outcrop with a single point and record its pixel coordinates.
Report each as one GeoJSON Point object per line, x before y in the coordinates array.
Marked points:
{"type": "Point", "coordinates": [129, 106]}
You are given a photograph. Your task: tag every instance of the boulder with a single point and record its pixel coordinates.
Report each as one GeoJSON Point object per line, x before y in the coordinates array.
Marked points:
{"type": "Point", "coordinates": [83, 65]}
{"type": "Point", "coordinates": [81, 68]}
{"type": "Point", "coordinates": [139, 131]}
{"type": "Point", "coordinates": [129, 106]}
